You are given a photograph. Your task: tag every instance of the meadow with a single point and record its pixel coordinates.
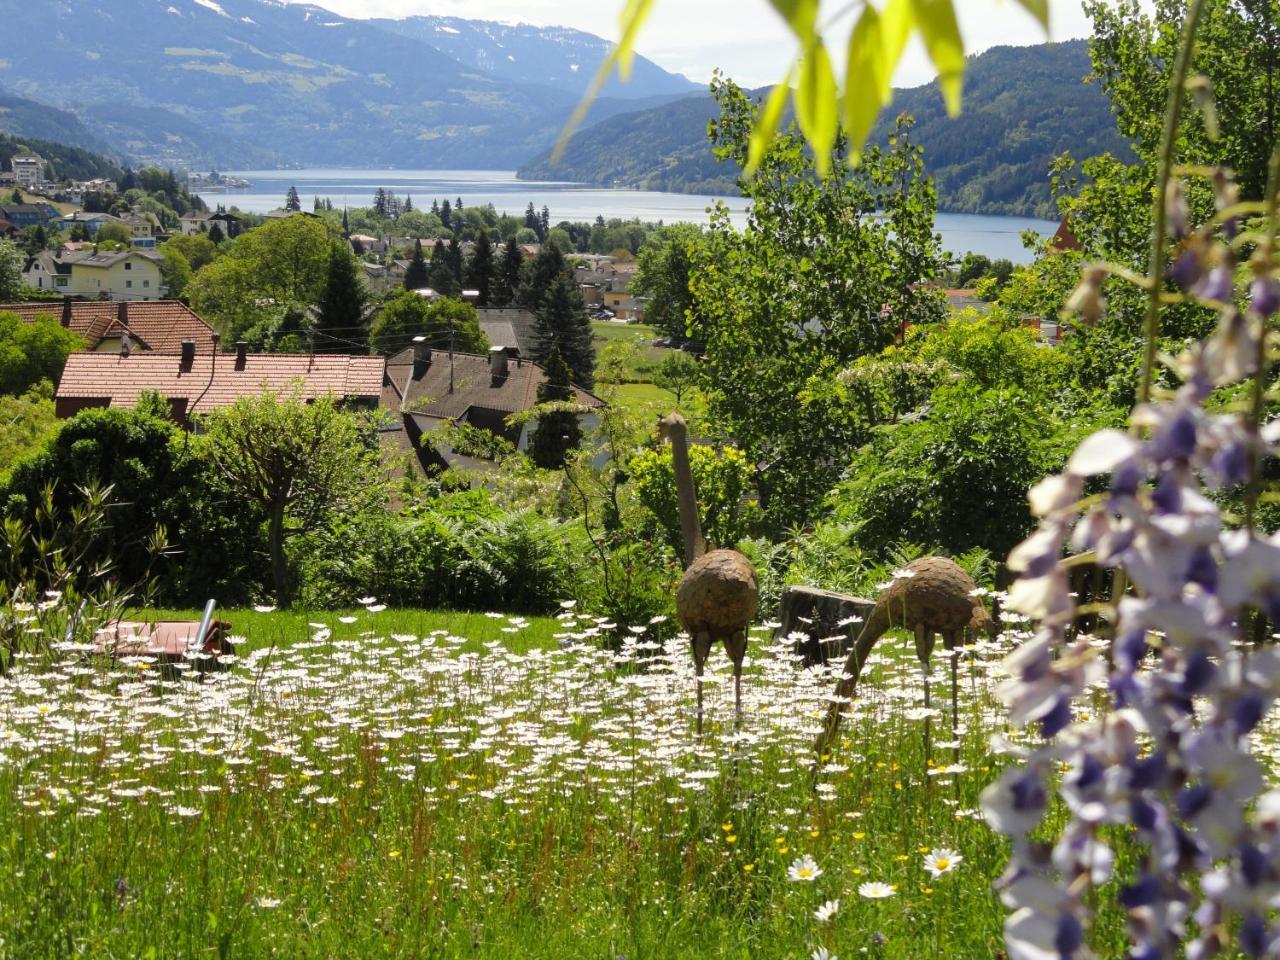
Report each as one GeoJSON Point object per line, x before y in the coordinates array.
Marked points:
{"type": "Point", "coordinates": [412, 784]}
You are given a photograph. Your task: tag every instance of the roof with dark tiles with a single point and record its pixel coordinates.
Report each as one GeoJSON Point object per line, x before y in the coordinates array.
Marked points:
{"type": "Point", "coordinates": [158, 325]}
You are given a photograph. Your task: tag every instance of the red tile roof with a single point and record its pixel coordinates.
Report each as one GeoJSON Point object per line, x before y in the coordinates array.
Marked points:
{"type": "Point", "coordinates": [159, 325]}
{"type": "Point", "coordinates": [121, 380]}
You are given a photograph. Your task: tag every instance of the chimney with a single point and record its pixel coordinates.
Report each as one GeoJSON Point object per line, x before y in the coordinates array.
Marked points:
{"type": "Point", "coordinates": [498, 365]}
{"type": "Point", "coordinates": [122, 313]}
{"type": "Point", "coordinates": [66, 311]}
{"type": "Point", "coordinates": [242, 354]}
{"type": "Point", "coordinates": [421, 357]}
{"type": "Point", "coordinates": [188, 356]}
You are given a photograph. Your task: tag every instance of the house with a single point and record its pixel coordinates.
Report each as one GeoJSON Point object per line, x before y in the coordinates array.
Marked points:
{"type": "Point", "coordinates": [231, 225]}
{"type": "Point", "coordinates": [428, 389]}
{"type": "Point", "coordinates": [509, 327]}
{"type": "Point", "coordinates": [142, 225]}
{"type": "Point", "coordinates": [23, 215]}
{"type": "Point", "coordinates": [91, 222]}
{"type": "Point", "coordinates": [197, 383]}
{"type": "Point", "coordinates": [193, 223]}
{"type": "Point", "coordinates": [158, 325]}
{"type": "Point", "coordinates": [128, 275]}
{"type": "Point", "coordinates": [29, 171]}
{"type": "Point", "coordinates": [623, 304]}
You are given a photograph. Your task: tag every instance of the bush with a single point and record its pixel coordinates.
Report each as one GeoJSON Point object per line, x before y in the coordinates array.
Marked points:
{"type": "Point", "coordinates": [720, 477]}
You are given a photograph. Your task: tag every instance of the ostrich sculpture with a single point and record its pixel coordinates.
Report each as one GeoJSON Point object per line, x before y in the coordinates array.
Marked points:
{"type": "Point", "coordinates": [718, 594]}
{"type": "Point", "coordinates": [933, 596]}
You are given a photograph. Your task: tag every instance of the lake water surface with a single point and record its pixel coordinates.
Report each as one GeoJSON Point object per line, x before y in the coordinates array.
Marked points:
{"type": "Point", "coordinates": [993, 236]}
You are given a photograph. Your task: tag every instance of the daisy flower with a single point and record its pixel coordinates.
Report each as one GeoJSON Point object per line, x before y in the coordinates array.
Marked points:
{"type": "Point", "coordinates": [876, 891]}
{"type": "Point", "coordinates": [938, 862]}
{"type": "Point", "coordinates": [822, 953]}
{"type": "Point", "coordinates": [826, 911]}
{"type": "Point", "coordinates": [804, 869]}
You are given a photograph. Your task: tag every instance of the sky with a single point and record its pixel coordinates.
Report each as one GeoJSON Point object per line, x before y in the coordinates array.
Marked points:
{"type": "Point", "coordinates": [744, 37]}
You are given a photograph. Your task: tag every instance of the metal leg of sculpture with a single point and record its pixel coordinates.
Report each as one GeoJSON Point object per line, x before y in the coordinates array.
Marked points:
{"type": "Point", "coordinates": [701, 650]}
{"type": "Point", "coordinates": [950, 643]}
{"type": "Point", "coordinates": [924, 648]}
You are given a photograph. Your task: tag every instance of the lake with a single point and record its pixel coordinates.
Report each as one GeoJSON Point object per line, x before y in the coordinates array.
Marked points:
{"type": "Point", "coordinates": [993, 236]}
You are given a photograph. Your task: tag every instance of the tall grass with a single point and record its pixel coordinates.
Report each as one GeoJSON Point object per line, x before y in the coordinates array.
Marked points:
{"type": "Point", "coordinates": [416, 784]}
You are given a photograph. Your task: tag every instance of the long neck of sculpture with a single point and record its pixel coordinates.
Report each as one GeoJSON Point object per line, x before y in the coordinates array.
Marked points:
{"type": "Point", "coordinates": [678, 433]}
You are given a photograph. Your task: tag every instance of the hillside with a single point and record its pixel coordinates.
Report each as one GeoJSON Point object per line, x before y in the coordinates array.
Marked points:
{"type": "Point", "coordinates": [24, 118]}
{"type": "Point", "coordinates": [65, 161]}
{"type": "Point", "coordinates": [246, 82]}
{"type": "Point", "coordinates": [558, 57]}
{"type": "Point", "coordinates": [1022, 106]}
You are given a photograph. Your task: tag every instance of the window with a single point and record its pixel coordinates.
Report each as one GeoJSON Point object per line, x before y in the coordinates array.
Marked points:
{"type": "Point", "coordinates": [128, 284]}
{"type": "Point", "coordinates": [59, 281]}
{"type": "Point", "coordinates": [146, 283]}
{"type": "Point", "coordinates": [128, 265]}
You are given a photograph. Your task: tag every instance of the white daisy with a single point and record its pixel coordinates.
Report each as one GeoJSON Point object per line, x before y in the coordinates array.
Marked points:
{"type": "Point", "coordinates": [804, 869]}
{"type": "Point", "coordinates": [826, 911]}
{"type": "Point", "coordinates": [876, 891]}
{"type": "Point", "coordinates": [938, 862]}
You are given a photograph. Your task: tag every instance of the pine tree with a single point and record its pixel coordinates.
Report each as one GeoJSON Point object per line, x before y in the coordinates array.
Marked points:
{"type": "Point", "coordinates": [380, 203]}
{"type": "Point", "coordinates": [346, 223]}
{"type": "Point", "coordinates": [415, 278]}
{"type": "Point", "coordinates": [440, 275]}
{"type": "Point", "coordinates": [544, 223]}
{"type": "Point", "coordinates": [480, 269]}
{"type": "Point", "coordinates": [408, 203]}
{"type": "Point", "coordinates": [292, 202]}
{"type": "Point", "coordinates": [561, 324]}
{"type": "Point", "coordinates": [455, 258]}
{"type": "Point", "coordinates": [457, 205]}
{"type": "Point", "coordinates": [556, 433]}
{"type": "Point", "coordinates": [531, 217]}
{"type": "Point", "coordinates": [446, 215]}
{"type": "Point", "coordinates": [541, 272]}
{"type": "Point", "coordinates": [317, 205]}
{"type": "Point", "coordinates": [435, 207]}
{"type": "Point", "coordinates": [216, 234]}
{"type": "Point", "coordinates": [342, 303]}
{"type": "Point", "coordinates": [507, 282]}
{"type": "Point", "coordinates": [328, 204]}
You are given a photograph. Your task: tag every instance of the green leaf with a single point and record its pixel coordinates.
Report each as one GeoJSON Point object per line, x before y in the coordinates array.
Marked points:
{"type": "Point", "coordinates": [817, 100]}
{"type": "Point", "coordinates": [621, 56]}
{"type": "Point", "coordinates": [1038, 9]}
{"type": "Point", "coordinates": [801, 17]}
{"type": "Point", "coordinates": [941, 33]}
{"type": "Point", "coordinates": [767, 124]}
{"type": "Point", "coordinates": [866, 87]}
{"type": "Point", "coordinates": [896, 23]}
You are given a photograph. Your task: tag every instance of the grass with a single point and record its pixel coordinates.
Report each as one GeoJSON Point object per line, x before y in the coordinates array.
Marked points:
{"type": "Point", "coordinates": [418, 784]}
{"type": "Point", "coordinates": [640, 393]}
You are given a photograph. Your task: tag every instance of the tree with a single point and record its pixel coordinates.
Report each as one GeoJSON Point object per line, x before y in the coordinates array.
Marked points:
{"type": "Point", "coordinates": [538, 275]}
{"type": "Point", "coordinates": [825, 271]}
{"type": "Point", "coordinates": [662, 275]}
{"type": "Point", "coordinates": [116, 233]}
{"type": "Point", "coordinates": [455, 259]}
{"type": "Point", "coordinates": [198, 250]}
{"type": "Point", "coordinates": [380, 207]}
{"type": "Point", "coordinates": [216, 236]}
{"type": "Point", "coordinates": [35, 351]}
{"type": "Point", "coordinates": [266, 275]}
{"type": "Point", "coordinates": [443, 321]}
{"type": "Point", "coordinates": [561, 326]}
{"type": "Point", "coordinates": [678, 372]}
{"type": "Point", "coordinates": [507, 282]}
{"type": "Point", "coordinates": [292, 202]}
{"type": "Point", "coordinates": [175, 270]}
{"type": "Point", "coordinates": [11, 263]}
{"type": "Point", "coordinates": [440, 272]}
{"type": "Point", "coordinates": [408, 204]}
{"type": "Point", "coordinates": [342, 303]}
{"type": "Point", "coordinates": [446, 215]}
{"type": "Point", "coordinates": [298, 461]}
{"type": "Point", "coordinates": [479, 272]}
{"type": "Point", "coordinates": [28, 421]}
{"type": "Point", "coordinates": [557, 431]}
{"type": "Point", "coordinates": [720, 476]}
{"type": "Point", "coordinates": [415, 276]}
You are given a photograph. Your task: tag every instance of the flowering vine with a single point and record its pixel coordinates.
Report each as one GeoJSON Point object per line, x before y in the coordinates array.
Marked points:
{"type": "Point", "coordinates": [1167, 766]}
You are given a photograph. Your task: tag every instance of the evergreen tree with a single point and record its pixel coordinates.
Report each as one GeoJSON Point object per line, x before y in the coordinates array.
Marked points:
{"type": "Point", "coordinates": [561, 324]}
{"type": "Point", "coordinates": [346, 223]}
{"type": "Point", "coordinates": [455, 258]}
{"type": "Point", "coordinates": [216, 234]}
{"type": "Point", "coordinates": [435, 207]}
{"type": "Point", "coordinates": [292, 201]}
{"type": "Point", "coordinates": [539, 274]}
{"type": "Point", "coordinates": [544, 223]}
{"type": "Point", "coordinates": [507, 282]}
{"type": "Point", "coordinates": [342, 302]}
{"type": "Point", "coordinates": [440, 276]}
{"type": "Point", "coordinates": [446, 215]}
{"type": "Point", "coordinates": [408, 203]}
{"type": "Point", "coordinates": [415, 278]}
{"type": "Point", "coordinates": [480, 268]}
{"type": "Point", "coordinates": [457, 205]}
{"type": "Point", "coordinates": [328, 204]}
{"type": "Point", "coordinates": [317, 205]}
{"type": "Point", "coordinates": [556, 433]}
{"type": "Point", "coordinates": [380, 203]}
{"type": "Point", "coordinates": [531, 217]}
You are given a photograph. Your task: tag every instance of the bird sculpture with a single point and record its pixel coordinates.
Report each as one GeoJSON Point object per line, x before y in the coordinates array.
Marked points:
{"type": "Point", "coordinates": [931, 595]}
{"type": "Point", "coordinates": [718, 595]}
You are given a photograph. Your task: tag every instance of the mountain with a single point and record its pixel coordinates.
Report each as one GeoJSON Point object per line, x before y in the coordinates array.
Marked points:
{"type": "Point", "coordinates": [1022, 106]}
{"type": "Point", "coordinates": [74, 163]}
{"type": "Point", "coordinates": [558, 57]}
{"type": "Point", "coordinates": [239, 82]}
{"type": "Point", "coordinates": [23, 118]}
